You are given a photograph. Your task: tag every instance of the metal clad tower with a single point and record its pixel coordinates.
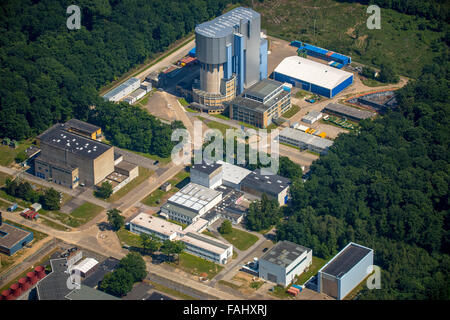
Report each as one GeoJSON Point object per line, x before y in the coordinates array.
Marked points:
{"type": "Point", "coordinates": [232, 55]}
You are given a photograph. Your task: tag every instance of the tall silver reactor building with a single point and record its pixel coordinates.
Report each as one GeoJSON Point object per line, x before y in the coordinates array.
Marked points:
{"type": "Point", "coordinates": [232, 56]}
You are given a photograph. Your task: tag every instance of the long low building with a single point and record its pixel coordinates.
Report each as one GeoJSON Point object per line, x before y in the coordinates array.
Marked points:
{"type": "Point", "coordinates": [304, 140]}
{"type": "Point", "coordinates": [196, 243]}
{"type": "Point", "coordinates": [312, 76]}
{"type": "Point", "coordinates": [345, 271]}
{"type": "Point", "coordinates": [283, 262]}
{"type": "Point", "coordinates": [207, 247]}
{"type": "Point", "coordinates": [123, 90]}
{"type": "Point", "coordinates": [350, 113]}
{"type": "Point", "coordinates": [145, 223]}
{"type": "Point", "coordinates": [232, 175]}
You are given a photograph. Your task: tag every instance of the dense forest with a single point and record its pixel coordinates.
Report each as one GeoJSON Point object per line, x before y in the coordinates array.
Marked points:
{"type": "Point", "coordinates": [386, 187]}
{"type": "Point", "coordinates": [49, 74]}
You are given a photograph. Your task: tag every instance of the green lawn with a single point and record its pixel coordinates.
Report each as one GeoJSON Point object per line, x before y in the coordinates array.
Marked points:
{"type": "Point", "coordinates": [153, 157]}
{"type": "Point", "coordinates": [196, 266]}
{"type": "Point", "coordinates": [280, 292]}
{"type": "Point", "coordinates": [52, 224]}
{"type": "Point", "coordinates": [129, 238]}
{"type": "Point", "coordinates": [183, 102]}
{"type": "Point", "coordinates": [20, 202]}
{"type": "Point", "coordinates": [291, 112]}
{"type": "Point", "coordinates": [373, 83]}
{"type": "Point", "coordinates": [215, 125]}
{"type": "Point", "coordinates": [3, 177]}
{"type": "Point", "coordinates": [190, 110]}
{"type": "Point", "coordinates": [301, 94]}
{"type": "Point", "coordinates": [81, 215]}
{"type": "Point", "coordinates": [86, 212]}
{"type": "Point", "coordinates": [240, 239]}
{"type": "Point", "coordinates": [221, 116]}
{"type": "Point", "coordinates": [247, 125]}
{"type": "Point", "coordinates": [155, 198]}
{"type": "Point", "coordinates": [230, 284]}
{"type": "Point", "coordinates": [7, 154]}
{"type": "Point", "coordinates": [317, 263]}
{"type": "Point", "coordinates": [144, 173]}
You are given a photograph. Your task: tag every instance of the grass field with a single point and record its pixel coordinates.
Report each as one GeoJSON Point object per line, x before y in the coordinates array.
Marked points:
{"type": "Point", "coordinates": [408, 41]}
{"type": "Point", "coordinates": [208, 233]}
{"type": "Point", "coordinates": [221, 116]}
{"type": "Point", "coordinates": [7, 154]}
{"type": "Point", "coordinates": [52, 224]}
{"type": "Point", "coordinates": [3, 177]}
{"type": "Point", "coordinates": [86, 212]}
{"type": "Point", "coordinates": [183, 102]}
{"type": "Point", "coordinates": [129, 238]}
{"type": "Point", "coordinates": [372, 83]}
{"type": "Point", "coordinates": [215, 125]}
{"type": "Point", "coordinates": [196, 266]}
{"type": "Point", "coordinates": [291, 112]}
{"type": "Point", "coordinates": [170, 291]}
{"type": "Point", "coordinates": [81, 215]}
{"type": "Point", "coordinates": [144, 173]}
{"type": "Point", "coordinates": [317, 263]}
{"type": "Point", "coordinates": [240, 239]}
{"type": "Point", "coordinates": [153, 157]}
{"type": "Point", "coordinates": [156, 197]}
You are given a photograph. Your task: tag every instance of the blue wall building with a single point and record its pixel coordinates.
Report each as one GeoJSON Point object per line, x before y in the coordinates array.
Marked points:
{"type": "Point", "coordinates": [13, 238]}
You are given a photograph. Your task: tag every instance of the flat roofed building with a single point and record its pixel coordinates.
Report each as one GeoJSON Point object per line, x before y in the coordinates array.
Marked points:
{"type": "Point", "coordinates": [350, 113]}
{"type": "Point", "coordinates": [86, 267]}
{"type": "Point", "coordinates": [304, 140]}
{"type": "Point", "coordinates": [88, 293]}
{"type": "Point", "coordinates": [207, 247]}
{"type": "Point", "coordinates": [13, 238]}
{"type": "Point", "coordinates": [312, 117]}
{"type": "Point", "coordinates": [83, 128]}
{"type": "Point", "coordinates": [207, 175]}
{"type": "Point", "coordinates": [54, 285]}
{"type": "Point", "coordinates": [66, 151]}
{"type": "Point", "coordinates": [232, 174]}
{"type": "Point", "coordinates": [275, 186]}
{"type": "Point", "coordinates": [190, 203]}
{"type": "Point", "coordinates": [283, 262]}
{"type": "Point", "coordinates": [260, 104]}
{"type": "Point", "coordinates": [146, 223]}
{"type": "Point", "coordinates": [345, 271]}
{"type": "Point", "coordinates": [123, 90]}
{"type": "Point", "coordinates": [313, 76]}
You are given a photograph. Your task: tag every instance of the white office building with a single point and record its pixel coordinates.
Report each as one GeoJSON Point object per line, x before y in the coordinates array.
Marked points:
{"type": "Point", "coordinates": [283, 262]}
{"type": "Point", "coordinates": [232, 175]}
{"type": "Point", "coordinates": [145, 223]}
{"type": "Point", "coordinates": [312, 117]}
{"type": "Point", "coordinates": [304, 140]}
{"type": "Point", "coordinates": [207, 247]}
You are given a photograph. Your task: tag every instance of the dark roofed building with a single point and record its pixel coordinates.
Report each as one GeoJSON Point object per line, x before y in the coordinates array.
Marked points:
{"type": "Point", "coordinates": [275, 186]}
{"type": "Point", "coordinates": [348, 112]}
{"type": "Point", "coordinates": [207, 175]}
{"type": "Point", "coordinates": [54, 285]}
{"type": "Point", "coordinates": [284, 261]}
{"type": "Point", "coordinates": [13, 238]}
{"type": "Point", "coordinates": [345, 271]}
{"type": "Point", "coordinates": [103, 268]}
{"type": "Point", "coordinates": [62, 151]}
{"type": "Point", "coordinates": [84, 128]}
{"type": "Point", "coordinates": [88, 293]}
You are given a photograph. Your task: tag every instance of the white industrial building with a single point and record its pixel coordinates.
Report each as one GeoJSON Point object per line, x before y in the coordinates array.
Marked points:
{"type": "Point", "coordinates": [312, 76]}
{"type": "Point", "coordinates": [283, 262]}
{"type": "Point", "coordinates": [190, 203]}
{"type": "Point", "coordinates": [145, 223]}
{"type": "Point", "coordinates": [232, 175]}
{"type": "Point", "coordinates": [123, 90]}
{"type": "Point", "coordinates": [146, 86]}
{"type": "Point", "coordinates": [197, 244]}
{"type": "Point", "coordinates": [85, 267]}
{"type": "Point", "coordinates": [345, 271]}
{"type": "Point", "coordinates": [207, 175]}
{"type": "Point", "coordinates": [312, 117]}
{"type": "Point", "coordinates": [304, 140]}
{"type": "Point", "coordinates": [207, 247]}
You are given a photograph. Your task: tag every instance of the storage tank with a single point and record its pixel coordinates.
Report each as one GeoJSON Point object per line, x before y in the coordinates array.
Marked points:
{"type": "Point", "coordinates": [24, 284]}
{"type": "Point", "coordinates": [15, 290]}
{"type": "Point", "coordinates": [32, 277]}
{"type": "Point", "coordinates": [40, 272]}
